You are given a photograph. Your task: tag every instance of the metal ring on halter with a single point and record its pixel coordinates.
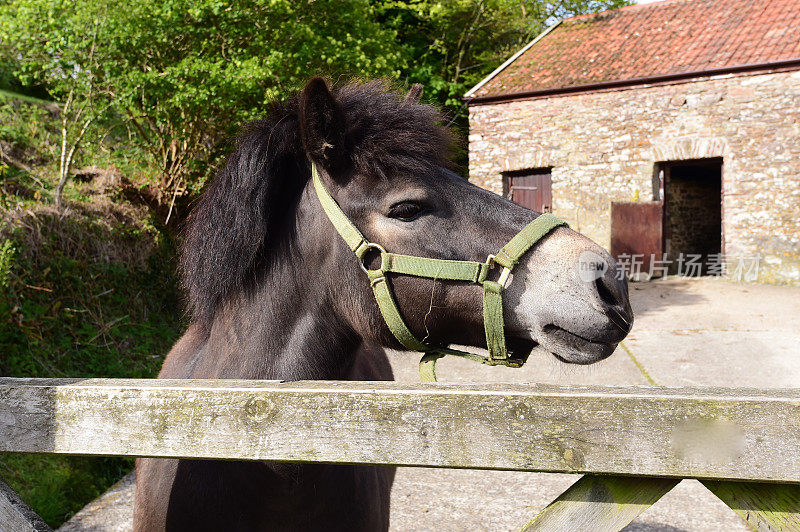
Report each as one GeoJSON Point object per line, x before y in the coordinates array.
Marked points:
{"type": "Point", "coordinates": [370, 245]}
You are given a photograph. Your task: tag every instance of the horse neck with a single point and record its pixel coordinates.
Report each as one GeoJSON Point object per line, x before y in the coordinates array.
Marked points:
{"type": "Point", "coordinates": [279, 330]}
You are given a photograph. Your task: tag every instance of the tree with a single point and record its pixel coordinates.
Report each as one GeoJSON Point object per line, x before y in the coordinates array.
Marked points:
{"type": "Point", "coordinates": [185, 74]}
{"type": "Point", "coordinates": [55, 44]}
{"type": "Point", "coordinates": [189, 72]}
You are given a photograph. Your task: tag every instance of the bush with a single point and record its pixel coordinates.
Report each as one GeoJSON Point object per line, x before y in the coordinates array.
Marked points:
{"type": "Point", "coordinates": [90, 293]}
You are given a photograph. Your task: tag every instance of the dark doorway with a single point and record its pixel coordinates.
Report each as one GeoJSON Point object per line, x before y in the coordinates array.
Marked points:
{"type": "Point", "coordinates": [530, 188]}
{"type": "Point", "coordinates": [693, 213]}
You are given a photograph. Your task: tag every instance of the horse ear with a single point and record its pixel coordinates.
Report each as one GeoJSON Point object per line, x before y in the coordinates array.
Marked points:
{"type": "Point", "coordinates": [321, 124]}
{"type": "Point", "coordinates": [414, 93]}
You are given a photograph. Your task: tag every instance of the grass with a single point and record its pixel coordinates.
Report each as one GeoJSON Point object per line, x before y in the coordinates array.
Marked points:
{"type": "Point", "coordinates": [87, 292]}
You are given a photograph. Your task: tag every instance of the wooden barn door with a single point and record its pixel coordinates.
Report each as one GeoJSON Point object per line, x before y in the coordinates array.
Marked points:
{"type": "Point", "coordinates": [636, 231]}
{"type": "Point", "coordinates": [531, 189]}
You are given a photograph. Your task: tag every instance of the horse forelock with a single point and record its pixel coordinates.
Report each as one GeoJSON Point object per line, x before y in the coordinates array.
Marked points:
{"type": "Point", "coordinates": [235, 227]}
{"type": "Point", "coordinates": [385, 132]}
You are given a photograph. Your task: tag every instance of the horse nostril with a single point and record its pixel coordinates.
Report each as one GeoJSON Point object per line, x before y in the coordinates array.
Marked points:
{"type": "Point", "coordinates": [614, 293]}
{"type": "Point", "coordinates": [605, 293]}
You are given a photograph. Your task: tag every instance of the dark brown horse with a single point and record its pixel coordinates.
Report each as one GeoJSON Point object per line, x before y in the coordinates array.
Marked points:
{"type": "Point", "coordinates": [276, 294]}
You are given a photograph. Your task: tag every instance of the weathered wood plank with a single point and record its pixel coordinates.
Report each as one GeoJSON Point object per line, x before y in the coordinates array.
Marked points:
{"type": "Point", "coordinates": [646, 431]}
{"type": "Point", "coordinates": [110, 512]}
{"type": "Point", "coordinates": [766, 507]}
{"type": "Point", "coordinates": [600, 504]}
{"type": "Point", "coordinates": [15, 515]}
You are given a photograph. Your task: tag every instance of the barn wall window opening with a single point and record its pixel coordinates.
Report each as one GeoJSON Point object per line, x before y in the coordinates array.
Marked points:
{"type": "Point", "coordinates": [609, 111]}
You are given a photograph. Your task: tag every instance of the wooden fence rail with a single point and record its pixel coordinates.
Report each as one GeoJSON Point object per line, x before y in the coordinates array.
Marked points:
{"type": "Point", "coordinates": [735, 440]}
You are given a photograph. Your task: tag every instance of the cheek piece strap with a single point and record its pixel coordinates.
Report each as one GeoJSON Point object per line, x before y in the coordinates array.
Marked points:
{"type": "Point", "coordinates": [451, 270]}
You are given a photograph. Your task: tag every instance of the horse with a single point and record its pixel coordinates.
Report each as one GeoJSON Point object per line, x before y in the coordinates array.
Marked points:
{"type": "Point", "coordinates": [275, 293]}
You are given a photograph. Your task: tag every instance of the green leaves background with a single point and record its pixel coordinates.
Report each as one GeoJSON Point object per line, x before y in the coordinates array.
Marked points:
{"type": "Point", "coordinates": [183, 75]}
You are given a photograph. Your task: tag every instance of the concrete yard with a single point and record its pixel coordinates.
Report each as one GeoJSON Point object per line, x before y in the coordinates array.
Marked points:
{"type": "Point", "coordinates": [700, 332]}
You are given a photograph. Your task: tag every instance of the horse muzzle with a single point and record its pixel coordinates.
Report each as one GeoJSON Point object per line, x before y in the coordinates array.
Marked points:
{"type": "Point", "coordinates": [569, 298]}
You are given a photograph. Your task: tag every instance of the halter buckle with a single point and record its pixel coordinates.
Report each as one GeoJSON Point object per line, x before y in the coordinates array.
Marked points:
{"type": "Point", "coordinates": [503, 279]}
{"type": "Point", "coordinates": [370, 245]}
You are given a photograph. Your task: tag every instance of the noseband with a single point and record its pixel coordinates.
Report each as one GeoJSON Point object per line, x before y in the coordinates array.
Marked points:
{"type": "Point", "coordinates": [451, 270]}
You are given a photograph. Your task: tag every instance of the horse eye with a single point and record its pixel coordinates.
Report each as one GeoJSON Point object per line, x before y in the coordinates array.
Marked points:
{"type": "Point", "coordinates": [406, 211]}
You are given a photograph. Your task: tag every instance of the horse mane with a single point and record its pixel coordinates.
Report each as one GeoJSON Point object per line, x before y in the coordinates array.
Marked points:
{"type": "Point", "coordinates": [238, 222]}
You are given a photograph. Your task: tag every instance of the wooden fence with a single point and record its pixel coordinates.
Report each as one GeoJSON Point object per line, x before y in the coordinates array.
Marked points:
{"type": "Point", "coordinates": [633, 443]}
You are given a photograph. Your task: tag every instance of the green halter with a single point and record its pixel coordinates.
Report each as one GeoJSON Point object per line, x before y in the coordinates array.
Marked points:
{"type": "Point", "coordinates": [452, 270]}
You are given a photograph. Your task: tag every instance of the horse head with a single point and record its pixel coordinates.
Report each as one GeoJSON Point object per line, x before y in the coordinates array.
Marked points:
{"type": "Point", "coordinates": [267, 269]}
{"type": "Point", "coordinates": [385, 164]}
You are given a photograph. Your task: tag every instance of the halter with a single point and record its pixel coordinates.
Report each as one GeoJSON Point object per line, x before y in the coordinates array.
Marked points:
{"type": "Point", "coordinates": [451, 270]}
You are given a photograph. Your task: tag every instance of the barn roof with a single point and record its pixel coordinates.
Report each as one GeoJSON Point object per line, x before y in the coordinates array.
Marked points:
{"type": "Point", "coordinates": [635, 44]}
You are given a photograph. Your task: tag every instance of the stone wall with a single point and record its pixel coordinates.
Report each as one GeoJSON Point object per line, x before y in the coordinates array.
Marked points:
{"type": "Point", "coordinates": [603, 146]}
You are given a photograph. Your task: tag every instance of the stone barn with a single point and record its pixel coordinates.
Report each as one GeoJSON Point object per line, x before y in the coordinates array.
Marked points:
{"type": "Point", "coordinates": [670, 129]}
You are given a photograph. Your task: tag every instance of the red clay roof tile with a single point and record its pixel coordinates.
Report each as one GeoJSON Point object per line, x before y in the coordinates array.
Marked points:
{"type": "Point", "coordinates": [663, 38]}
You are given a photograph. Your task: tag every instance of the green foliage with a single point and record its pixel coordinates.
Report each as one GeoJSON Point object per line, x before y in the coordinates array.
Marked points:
{"type": "Point", "coordinates": [11, 86]}
{"type": "Point", "coordinates": [6, 257]}
{"type": "Point", "coordinates": [50, 42]}
{"type": "Point", "coordinates": [88, 295]}
{"type": "Point", "coordinates": [184, 74]}
{"type": "Point", "coordinates": [29, 127]}
{"type": "Point", "coordinates": [190, 72]}
{"type": "Point", "coordinates": [50, 47]}
{"type": "Point", "coordinates": [30, 132]}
